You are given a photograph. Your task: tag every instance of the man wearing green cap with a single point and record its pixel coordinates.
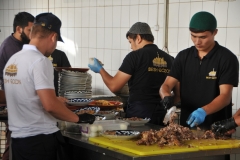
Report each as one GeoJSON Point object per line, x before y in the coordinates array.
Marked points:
{"type": "Point", "coordinates": [145, 69]}
{"type": "Point", "coordinates": [207, 73]}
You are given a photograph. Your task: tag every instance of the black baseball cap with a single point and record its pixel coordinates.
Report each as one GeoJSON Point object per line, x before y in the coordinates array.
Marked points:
{"type": "Point", "coordinates": [51, 22]}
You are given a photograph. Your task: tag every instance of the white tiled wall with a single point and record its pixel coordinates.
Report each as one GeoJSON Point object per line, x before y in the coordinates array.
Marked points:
{"type": "Point", "coordinates": [97, 28]}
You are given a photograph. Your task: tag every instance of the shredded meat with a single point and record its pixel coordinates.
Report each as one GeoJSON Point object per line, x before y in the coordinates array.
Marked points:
{"type": "Point", "coordinates": [173, 134]}
{"type": "Point", "coordinates": [109, 132]}
{"type": "Point", "coordinates": [147, 138]}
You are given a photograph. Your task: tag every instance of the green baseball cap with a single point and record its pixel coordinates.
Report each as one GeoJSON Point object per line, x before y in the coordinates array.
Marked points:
{"type": "Point", "coordinates": [203, 21]}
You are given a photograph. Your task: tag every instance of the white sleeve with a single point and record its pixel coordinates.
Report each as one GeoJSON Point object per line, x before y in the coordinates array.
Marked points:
{"type": "Point", "coordinates": [43, 76]}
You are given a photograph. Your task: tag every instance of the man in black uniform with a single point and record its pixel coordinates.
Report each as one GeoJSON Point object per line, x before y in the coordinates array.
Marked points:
{"type": "Point", "coordinates": [59, 59]}
{"type": "Point", "coordinates": [207, 73]}
{"type": "Point", "coordinates": [145, 69]}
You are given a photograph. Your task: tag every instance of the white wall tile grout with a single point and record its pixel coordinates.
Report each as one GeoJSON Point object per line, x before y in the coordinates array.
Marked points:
{"type": "Point", "coordinates": [97, 28]}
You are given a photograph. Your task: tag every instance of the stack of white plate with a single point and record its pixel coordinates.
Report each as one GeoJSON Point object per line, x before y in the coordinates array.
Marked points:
{"type": "Point", "coordinates": [89, 82]}
{"type": "Point", "coordinates": [74, 84]}
{"type": "Point", "coordinates": [77, 94]}
{"type": "Point", "coordinates": [79, 101]}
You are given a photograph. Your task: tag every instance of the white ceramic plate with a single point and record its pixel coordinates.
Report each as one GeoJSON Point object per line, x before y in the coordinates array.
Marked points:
{"type": "Point", "coordinates": [136, 123]}
{"type": "Point", "coordinates": [77, 96]}
{"type": "Point", "coordinates": [108, 114]}
{"type": "Point", "coordinates": [122, 134]}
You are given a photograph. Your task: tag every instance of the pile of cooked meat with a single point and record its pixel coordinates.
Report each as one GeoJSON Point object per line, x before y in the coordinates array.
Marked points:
{"type": "Point", "coordinates": [173, 135]}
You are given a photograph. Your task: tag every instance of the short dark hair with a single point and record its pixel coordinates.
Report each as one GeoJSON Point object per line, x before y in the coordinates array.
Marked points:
{"type": "Point", "coordinates": [147, 37]}
{"type": "Point", "coordinates": [199, 31]}
{"type": "Point", "coordinates": [40, 32]}
{"type": "Point", "coordinates": [21, 19]}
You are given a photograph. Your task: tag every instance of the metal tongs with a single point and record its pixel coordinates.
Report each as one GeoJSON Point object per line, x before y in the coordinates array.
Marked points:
{"type": "Point", "coordinates": [169, 114]}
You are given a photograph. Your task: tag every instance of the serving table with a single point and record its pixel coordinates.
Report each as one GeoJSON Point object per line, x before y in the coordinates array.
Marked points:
{"type": "Point", "coordinates": [82, 148]}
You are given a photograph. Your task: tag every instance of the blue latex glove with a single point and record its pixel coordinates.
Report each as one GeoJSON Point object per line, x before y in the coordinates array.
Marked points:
{"type": "Point", "coordinates": [196, 118]}
{"type": "Point", "coordinates": [96, 66]}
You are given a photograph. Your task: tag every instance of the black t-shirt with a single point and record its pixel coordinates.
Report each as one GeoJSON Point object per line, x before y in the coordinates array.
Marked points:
{"type": "Point", "coordinates": [9, 47]}
{"type": "Point", "coordinates": [59, 59]}
{"type": "Point", "coordinates": [148, 67]}
{"type": "Point", "coordinates": [200, 80]}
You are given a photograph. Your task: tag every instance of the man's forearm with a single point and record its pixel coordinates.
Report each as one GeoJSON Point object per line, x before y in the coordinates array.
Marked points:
{"type": "Point", "coordinates": [164, 91]}
{"type": "Point", "coordinates": [217, 104]}
{"type": "Point", "coordinates": [107, 79]}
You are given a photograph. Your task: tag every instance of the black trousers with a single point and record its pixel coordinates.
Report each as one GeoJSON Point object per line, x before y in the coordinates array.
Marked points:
{"type": "Point", "coordinates": [39, 147]}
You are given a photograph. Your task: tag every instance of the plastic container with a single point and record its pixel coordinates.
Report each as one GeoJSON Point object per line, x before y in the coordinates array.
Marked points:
{"type": "Point", "coordinates": [72, 128]}
{"type": "Point", "coordinates": [95, 129]}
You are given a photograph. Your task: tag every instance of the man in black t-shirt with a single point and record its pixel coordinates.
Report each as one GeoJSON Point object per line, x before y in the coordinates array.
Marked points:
{"type": "Point", "coordinates": [145, 69]}
{"type": "Point", "coordinates": [22, 24]}
{"type": "Point", "coordinates": [59, 59]}
{"type": "Point", "coordinates": [207, 73]}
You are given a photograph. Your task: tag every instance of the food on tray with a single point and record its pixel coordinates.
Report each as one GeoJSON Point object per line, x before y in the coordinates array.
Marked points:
{"type": "Point", "coordinates": [173, 134]}
{"type": "Point", "coordinates": [85, 111]}
{"type": "Point", "coordinates": [110, 132]}
{"type": "Point", "coordinates": [103, 103]}
{"type": "Point", "coordinates": [89, 110]}
{"type": "Point", "coordinates": [133, 119]}
{"type": "Point", "coordinates": [119, 109]}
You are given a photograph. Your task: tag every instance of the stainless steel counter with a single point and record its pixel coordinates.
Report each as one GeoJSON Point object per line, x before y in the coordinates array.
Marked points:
{"type": "Point", "coordinates": [83, 148]}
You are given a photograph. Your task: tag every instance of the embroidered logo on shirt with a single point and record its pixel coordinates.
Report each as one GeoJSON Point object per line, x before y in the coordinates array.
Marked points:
{"type": "Point", "coordinates": [160, 65]}
{"type": "Point", "coordinates": [212, 75]}
{"type": "Point", "coordinates": [11, 71]}
{"type": "Point", "coordinates": [159, 62]}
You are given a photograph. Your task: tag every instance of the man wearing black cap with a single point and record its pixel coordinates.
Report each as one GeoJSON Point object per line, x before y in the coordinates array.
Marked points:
{"type": "Point", "coordinates": [33, 107]}
{"type": "Point", "coordinates": [145, 69]}
{"type": "Point", "coordinates": [207, 73]}
{"type": "Point", "coordinates": [22, 24]}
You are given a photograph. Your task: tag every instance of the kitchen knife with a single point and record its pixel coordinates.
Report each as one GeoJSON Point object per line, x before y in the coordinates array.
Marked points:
{"type": "Point", "coordinates": [168, 115]}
